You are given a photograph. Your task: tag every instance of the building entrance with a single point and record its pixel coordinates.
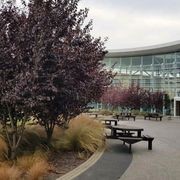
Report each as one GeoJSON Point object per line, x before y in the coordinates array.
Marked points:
{"type": "Point", "coordinates": [177, 108]}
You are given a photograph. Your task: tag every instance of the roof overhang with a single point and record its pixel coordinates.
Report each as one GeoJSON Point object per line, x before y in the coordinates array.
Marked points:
{"type": "Point", "coordinates": [145, 51]}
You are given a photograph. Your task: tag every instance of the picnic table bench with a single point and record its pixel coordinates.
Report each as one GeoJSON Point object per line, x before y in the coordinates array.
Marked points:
{"type": "Point", "coordinates": [153, 115]}
{"type": "Point", "coordinates": [132, 140]}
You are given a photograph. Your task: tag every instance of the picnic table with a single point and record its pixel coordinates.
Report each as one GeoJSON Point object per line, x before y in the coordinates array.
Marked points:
{"type": "Point", "coordinates": [125, 115]}
{"type": "Point", "coordinates": [93, 114]}
{"type": "Point", "coordinates": [110, 121]}
{"type": "Point", "coordinates": [153, 115]}
{"type": "Point", "coordinates": [127, 135]}
{"type": "Point", "coordinates": [127, 129]}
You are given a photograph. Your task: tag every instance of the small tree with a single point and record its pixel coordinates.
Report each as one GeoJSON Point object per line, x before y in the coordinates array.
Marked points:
{"type": "Point", "coordinates": [13, 111]}
{"type": "Point", "coordinates": [112, 97]}
{"type": "Point", "coordinates": [59, 62]}
{"type": "Point", "coordinates": [157, 100]}
{"type": "Point", "coordinates": [167, 103]}
{"type": "Point", "coordinates": [133, 97]}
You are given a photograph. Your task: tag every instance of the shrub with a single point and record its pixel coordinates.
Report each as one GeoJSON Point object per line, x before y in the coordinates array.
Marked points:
{"type": "Point", "coordinates": [83, 134]}
{"type": "Point", "coordinates": [34, 139]}
{"type": "Point", "coordinates": [105, 112]}
{"type": "Point", "coordinates": [143, 113]}
{"type": "Point", "coordinates": [135, 112]}
{"type": "Point", "coordinates": [138, 113]}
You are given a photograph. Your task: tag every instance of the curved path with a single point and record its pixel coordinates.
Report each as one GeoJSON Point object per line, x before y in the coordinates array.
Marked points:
{"type": "Point", "coordinates": [162, 163]}
{"type": "Point", "coordinates": [111, 165]}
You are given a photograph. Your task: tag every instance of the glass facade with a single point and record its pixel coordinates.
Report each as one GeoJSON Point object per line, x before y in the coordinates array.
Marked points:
{"type": "Point", "coordinates": [153, 72]}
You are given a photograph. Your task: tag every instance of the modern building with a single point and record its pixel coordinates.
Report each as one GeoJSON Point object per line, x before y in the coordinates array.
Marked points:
{"type": "Point", "coordinates": [156, 68]}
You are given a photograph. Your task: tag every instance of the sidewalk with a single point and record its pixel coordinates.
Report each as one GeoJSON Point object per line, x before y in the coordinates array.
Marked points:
{"type": "Point", "coordinates": [162, 163]}
{"type": "Point", "coordinates": [111, 165]}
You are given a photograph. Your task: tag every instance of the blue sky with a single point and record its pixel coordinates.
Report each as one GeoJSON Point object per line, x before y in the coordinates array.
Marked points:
{"type": "Point", "coordinates": [134, 23]}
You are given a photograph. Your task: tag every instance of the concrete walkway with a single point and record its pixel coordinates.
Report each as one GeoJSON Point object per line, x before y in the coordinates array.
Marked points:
{"type": "Point", "coordinates": [111, 165]}
{"type": "Point", "coordinates": [162, 163]}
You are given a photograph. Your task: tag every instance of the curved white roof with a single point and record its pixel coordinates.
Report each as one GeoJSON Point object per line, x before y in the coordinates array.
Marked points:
{"type": "Point", "coordinates": [148, 50]}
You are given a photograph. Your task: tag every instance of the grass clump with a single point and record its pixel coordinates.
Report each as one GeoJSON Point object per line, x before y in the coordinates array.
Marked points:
{"type": "Point", "coordinates": [83, 134]}
{"type": "Point", "coordinates": [10, 173]}
{"type": "Point", "coordinates": [3, 149]}
{"type": "Point", "coordinates": [34, 166]}
{"type": "Point", "coordinates": [33, 139]}
{"type": "Point", "coordinates": [27, 161]}
{"type": "Point", "coordinates": [38, 169]}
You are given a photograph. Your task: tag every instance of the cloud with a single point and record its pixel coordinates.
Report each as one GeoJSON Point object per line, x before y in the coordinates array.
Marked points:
{"type": "Point", "coordinates": [133, 23]}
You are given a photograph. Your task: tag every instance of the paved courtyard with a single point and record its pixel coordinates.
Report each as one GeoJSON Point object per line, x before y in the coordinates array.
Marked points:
{"type": "Point", "coordinates": [163, 162]}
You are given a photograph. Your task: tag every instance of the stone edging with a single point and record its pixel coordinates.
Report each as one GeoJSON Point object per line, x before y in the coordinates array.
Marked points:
{"type": "Point", "coordinates": [83, 167]}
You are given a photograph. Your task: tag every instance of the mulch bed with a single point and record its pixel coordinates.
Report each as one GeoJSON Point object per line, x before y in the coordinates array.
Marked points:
{"type": "Point", "coordinates": [63, 162]}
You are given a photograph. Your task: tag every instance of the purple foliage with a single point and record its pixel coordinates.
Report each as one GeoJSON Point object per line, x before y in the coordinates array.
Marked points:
{"type": "Point", "coordinates": [133, 97]}
{"type": "Point", "coordinates": [50, 65]}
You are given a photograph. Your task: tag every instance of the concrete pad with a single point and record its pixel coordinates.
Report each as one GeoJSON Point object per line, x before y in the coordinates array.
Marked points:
{"type": "Point", "coordinates": [163, 162]}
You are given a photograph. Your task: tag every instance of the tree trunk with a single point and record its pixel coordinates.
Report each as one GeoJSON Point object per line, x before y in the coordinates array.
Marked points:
{"type": "Point", "coordinates": [14, 147]}
{"type": "Point", "coordinates": [49, 133]}
{"type": "Point", "coordinates": [13, 153]}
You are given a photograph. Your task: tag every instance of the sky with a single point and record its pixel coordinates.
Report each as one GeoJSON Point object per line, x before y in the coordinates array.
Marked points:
{"type": "Point", "coordinates": [134, 23]}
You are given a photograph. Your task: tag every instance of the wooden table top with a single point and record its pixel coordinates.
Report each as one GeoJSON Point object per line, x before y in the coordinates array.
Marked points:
{"type": "Point", "coordinates": [126, 127]}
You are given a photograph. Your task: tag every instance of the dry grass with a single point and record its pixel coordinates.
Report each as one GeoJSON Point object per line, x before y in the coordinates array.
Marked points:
{"type": "Point", "coordinates": [3, 149]}
{"type": "Point", "coordinates": [26, 162]}
{"type": "Point", "coordinates": [38, 170]}
{"type": "Point", "coordinates": [38, 129]}
{"type": "Point", "coordinates": [83, 134]}
{"type": "Point", "coordinates": [30, 164]}
{"type": "Point", "coordinates": [10, 173]}
{"type": "Point", "coordinates": [35, 166]}
{"type": "Point", "coordinates": [31, 167]}
{"type": "Point", "coordinates": [33, 140]}
{"type": "Point", "coordinates": [58, 132]}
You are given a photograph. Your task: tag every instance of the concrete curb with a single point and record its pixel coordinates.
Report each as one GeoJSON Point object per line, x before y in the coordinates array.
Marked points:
{"type": "Point", "coordinates": [83, 167]}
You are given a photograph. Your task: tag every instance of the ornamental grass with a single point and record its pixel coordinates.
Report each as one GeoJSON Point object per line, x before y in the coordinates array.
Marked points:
{"type": "Point", "coordinates": [10, 173]}
{"type": "Point", "coordinates": [83, 134]}
{"type": "Point", "coordinates": [3, 148]}
{"type": "Point", "coordinates": [34, 166]}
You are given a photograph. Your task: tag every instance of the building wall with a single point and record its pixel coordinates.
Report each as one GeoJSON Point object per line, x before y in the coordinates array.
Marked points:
{"type": "Point", "coordinates": [154, 72]}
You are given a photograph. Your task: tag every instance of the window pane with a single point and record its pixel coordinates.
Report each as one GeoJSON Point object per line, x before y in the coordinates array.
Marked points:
{"type": "Point", "coordinates": [147, 60]}
{"type": "Point", "coordinates": [158, 59]}
{"type": "Point", "coordinates": [115, 62]}
{"type": "Point", "coordinates": [107, 62]}
{"type": "Point", "coordinates": [136, 61]}
{"type": "Point", "coordinates": [126, 61]}
{"type": "Point", "coordinates": [169, 58]}
{"type": "Point", "coordinates": [178, 57]}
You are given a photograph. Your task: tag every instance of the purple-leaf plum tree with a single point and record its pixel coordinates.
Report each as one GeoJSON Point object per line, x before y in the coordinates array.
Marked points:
{"type": "Point", "coordinates": [13, 110]}
{"type": "Point", "coordinates": [58, 63]}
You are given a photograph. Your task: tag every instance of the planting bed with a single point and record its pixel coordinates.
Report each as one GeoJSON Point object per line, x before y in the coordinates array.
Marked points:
{"type": "Point", "coordinates": [62, 163]}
